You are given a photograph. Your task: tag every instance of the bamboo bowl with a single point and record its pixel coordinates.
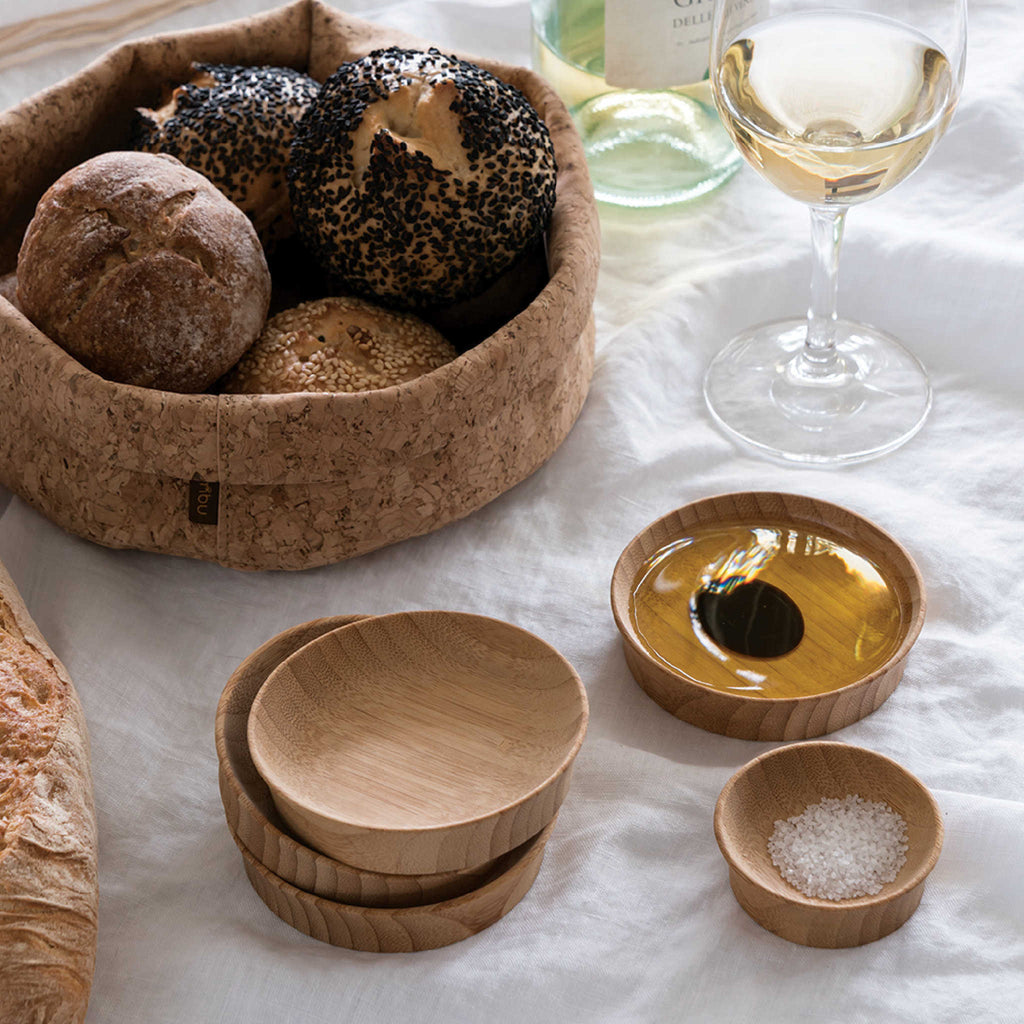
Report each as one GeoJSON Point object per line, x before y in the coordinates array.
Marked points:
{"type": "Point", "coordinates": [695, 684]}
{"type": "Point", "coordinates": [298, 480]}
{"type": "Point", "coordinates": [256, 825]}
{"type": "Point", "coordinates": [419, 742]}
{"type": "Point", "coordinates": [781, 784]}
{"type": "Point", "coordinates": [400, 929]}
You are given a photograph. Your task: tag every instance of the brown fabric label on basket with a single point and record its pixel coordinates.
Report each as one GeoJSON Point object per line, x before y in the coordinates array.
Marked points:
{"type": "Point", "coordinates": [203, 501]}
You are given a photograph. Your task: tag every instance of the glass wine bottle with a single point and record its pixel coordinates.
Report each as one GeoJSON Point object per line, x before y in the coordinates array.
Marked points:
{"type": "Point", "coordinates": [634, 76]}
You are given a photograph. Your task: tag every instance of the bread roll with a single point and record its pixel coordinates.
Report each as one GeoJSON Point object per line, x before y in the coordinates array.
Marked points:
{"type": "Point", "coordinates": [9, 288]}
{"type": "Point", "coordinates": [144, 272]}
{"type": "Point", "coordinates": [234, 124]}
{"type": "Point", "coordinates": [48, 886]}
{"type": "Point", "coordinates": [338, 344]}
{"type": "Point", "coordinates": [417, 178]}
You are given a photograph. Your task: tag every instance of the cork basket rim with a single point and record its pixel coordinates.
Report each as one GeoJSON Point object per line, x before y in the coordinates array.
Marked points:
{"type": "Point", "coordinates": [914, 623]}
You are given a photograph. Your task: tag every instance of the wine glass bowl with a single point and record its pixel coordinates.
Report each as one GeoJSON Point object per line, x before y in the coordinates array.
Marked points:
{"type": "Point", "coordinates": [833, 106]}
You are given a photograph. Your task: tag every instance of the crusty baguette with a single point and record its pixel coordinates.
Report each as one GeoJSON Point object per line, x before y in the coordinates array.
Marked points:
{"type": "Point", "coordinates": [48, 887]}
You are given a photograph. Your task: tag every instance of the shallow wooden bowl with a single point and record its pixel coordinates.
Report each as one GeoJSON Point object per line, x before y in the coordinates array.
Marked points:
{"type": "Point", "coordinates": [419, 742]}
{"type": "Point", "coordinates": [255, 823]}
{"type": "Point", "coordinates": [781, 784]}
{"type": "Point", "coordinates": [688, 695]}
{"type": "Point", "coordinates": [402, 929]}
{"type": "Point", "coordinates": [297, 480]}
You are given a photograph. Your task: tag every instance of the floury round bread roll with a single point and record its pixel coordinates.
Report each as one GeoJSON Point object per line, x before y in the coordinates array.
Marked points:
{"type": "Point", "coordinates": [144, 272]}
{"type": "Point", "coordinates": [48, 882]}
{"type": "Point", "coordinates": [416, 178]}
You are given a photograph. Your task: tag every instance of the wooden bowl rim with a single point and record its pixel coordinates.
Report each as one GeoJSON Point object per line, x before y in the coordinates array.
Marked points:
{"type": "Point", "coordinates": [794, 896]}
{"type": "Point", "coordinates": [563, 766]}
{"type": "Point", "coordinates": [914, 624]}
{"type": "Point", "coordinates": [248, 808]}
{"type": "Point", "coordinates": [521, 852]}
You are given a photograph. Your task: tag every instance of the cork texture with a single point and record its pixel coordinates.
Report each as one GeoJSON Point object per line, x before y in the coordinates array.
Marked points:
{"type": "Point", "coordinates": [279, 481]}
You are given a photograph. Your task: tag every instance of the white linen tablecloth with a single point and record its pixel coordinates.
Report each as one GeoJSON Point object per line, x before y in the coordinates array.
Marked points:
{"type": "Point", "coordinates": [631, 917]}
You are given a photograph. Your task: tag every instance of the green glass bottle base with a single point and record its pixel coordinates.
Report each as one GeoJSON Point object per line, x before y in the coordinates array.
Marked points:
{"type": "Point", "coordinates": [654, 148]}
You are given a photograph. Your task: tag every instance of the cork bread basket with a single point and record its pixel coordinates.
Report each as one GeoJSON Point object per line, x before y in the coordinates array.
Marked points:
{"type": "Point", "coordinates": [279, 481]}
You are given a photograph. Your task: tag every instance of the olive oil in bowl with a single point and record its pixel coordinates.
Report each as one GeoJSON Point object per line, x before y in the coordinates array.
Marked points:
{"type": "Point", "coordinates": [766, 609]}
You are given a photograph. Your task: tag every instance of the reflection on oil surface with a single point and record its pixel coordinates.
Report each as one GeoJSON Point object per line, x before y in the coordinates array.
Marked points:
{"type": "Point", "coordinates": [770, 609]}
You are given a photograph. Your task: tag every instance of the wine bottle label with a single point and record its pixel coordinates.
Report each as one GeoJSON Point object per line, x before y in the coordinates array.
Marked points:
{"type": "Point", "coordinates": [658, 43]}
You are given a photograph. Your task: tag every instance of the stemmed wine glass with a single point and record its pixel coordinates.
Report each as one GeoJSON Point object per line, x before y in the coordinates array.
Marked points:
{"type": "Point", "coordinates": [834, 102]}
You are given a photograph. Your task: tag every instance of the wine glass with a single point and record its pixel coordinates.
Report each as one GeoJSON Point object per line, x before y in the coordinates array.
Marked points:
{"type": "Point", "coordinates": [834, 102]}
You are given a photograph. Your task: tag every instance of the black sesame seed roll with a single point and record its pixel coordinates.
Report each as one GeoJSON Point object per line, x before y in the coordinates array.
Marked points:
{"type": "Point", "coordinates": [418, 178]}
{"type": "Point", "coordinates": [234, 125]}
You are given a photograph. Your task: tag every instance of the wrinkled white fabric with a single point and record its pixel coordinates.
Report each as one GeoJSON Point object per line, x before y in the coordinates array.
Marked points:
{"type": "Point", "coordinates": [631, 917]}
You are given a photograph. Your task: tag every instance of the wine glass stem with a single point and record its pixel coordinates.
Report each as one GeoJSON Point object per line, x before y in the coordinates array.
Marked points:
{"type": "Point", "coordinates": [819, 358]}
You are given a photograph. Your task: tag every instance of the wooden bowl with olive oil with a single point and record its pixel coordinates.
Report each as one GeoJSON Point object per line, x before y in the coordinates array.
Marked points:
{"type": "Point", "coordinates": [767, 616]}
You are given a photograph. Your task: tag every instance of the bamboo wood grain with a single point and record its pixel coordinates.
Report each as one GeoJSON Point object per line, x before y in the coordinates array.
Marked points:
{"type": "Point", "coordinates": [419, 742]}
{"type": "Point", "coordinates": [399, 930]}
{"type": "Point", "coordinates": [255, 823]}
{"type": "Point", "coordinates": [759, 717]}
{"type": "Point", "coordinates": [781, 784]}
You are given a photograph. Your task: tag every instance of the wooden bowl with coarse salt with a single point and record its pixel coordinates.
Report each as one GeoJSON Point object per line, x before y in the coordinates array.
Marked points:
{"type": "Point", "coordinates": [833, 819]}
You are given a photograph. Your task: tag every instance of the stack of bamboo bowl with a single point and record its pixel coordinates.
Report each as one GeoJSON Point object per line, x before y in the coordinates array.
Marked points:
{"type": "Point", "coordinates": [391, 782]}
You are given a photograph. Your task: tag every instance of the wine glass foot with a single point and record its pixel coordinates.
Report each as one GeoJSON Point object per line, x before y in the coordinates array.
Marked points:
{"type": "Point", "coordinates": [765, 392]}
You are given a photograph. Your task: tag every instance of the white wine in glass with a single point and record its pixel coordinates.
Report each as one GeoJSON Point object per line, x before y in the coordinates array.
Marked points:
{"type": "Point", "coordinates": [833, 106]}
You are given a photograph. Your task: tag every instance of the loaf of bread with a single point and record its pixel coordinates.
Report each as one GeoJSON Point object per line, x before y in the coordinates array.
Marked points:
{"type": "Point", "coordinates": [48, 886]}
{"type": "Point", "coordinates": [144, 272]}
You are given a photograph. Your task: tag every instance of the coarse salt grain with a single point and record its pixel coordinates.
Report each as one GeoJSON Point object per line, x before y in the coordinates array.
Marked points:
{"type": "Point", "coordinates": [840, 849]}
